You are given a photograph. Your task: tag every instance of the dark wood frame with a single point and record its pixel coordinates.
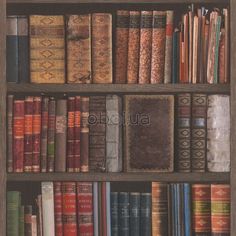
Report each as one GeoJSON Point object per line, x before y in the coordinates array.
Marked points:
{"type": "Point", "coordinates": [120, 89]}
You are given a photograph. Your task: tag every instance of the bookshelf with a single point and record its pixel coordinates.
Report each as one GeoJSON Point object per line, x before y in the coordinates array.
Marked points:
{"type": "Point", "coordinates": [62, 6]}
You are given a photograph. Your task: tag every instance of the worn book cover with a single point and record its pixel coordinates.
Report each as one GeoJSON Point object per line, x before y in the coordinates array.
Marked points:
{"type": "Point", "coordinates": [149, 131]}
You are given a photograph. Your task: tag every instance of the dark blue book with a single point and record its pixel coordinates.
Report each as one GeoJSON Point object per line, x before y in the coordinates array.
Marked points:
{"type": "Point", "coordinates": [187, 210]}
{"type": "Point", "coordinates": [114, 214]}
{"type": "Point", "coordinates": [145, 214]}
{"type": "Point", "coordinates": [134, 214]}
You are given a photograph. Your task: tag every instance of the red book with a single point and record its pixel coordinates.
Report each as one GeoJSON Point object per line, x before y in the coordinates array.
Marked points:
{"type": "Point", "coordinates": [69, 208]}
{"type": "Point", "coordinates": [28, 142]}
{"type": "Point", "coordinates": [85, 208]}
{"type": "Point", "coordinates": [18, 135]}
{"type": "Point", "coordinates": [58, 209]}
{"type": "Point", "coordinates": [36, 133]}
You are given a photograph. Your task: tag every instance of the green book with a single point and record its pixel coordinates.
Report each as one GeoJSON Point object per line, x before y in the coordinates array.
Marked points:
{"type": "Point", "coordinates": [21, 221]}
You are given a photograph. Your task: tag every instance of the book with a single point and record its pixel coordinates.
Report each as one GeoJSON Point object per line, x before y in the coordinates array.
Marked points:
{"type": "Point", "coordinates": [134, 214]}
{"type": "Point", "coordinates": [22, 221]}
{"type": "Point", "coordinates": [187, 209]}
{"type": "Point", "coordinates": [95, 209]}
{"type": "Point", "coordinates": [108, 207]}
{"type": "Point", "coordinates": [78, 48]}
{"type": "Point", "coordinates": [103, 209]}
{"type": "Point", "coordinates": [226, 44]}
{"type": "Point", "coordinates": [149, 123]}
{"type": "Point", "coordinates": [34, 225]}
{"type": "Point", "coordinates": [114, 213]}
{"type": "Point", "coordinates": [58, 208]}
{"type": "Point", "coordinates": [28, 220]}
{"type": "Point", "coordinates": [39, 215]}
{"type": "Point", "coordinates": [175, 57]}
{"type": "Point", "coordinates": [145, 214]}
{"type": "Point", "coordinates": [124, 213]}
{"type": "Point", "coordinates": [47, 48]}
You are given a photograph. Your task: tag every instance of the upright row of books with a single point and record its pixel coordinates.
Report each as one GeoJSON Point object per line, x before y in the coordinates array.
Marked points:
{"type": "Point", "coordinates": [150, 47]}
{"type": "Point", "coordinates": [92, 209]}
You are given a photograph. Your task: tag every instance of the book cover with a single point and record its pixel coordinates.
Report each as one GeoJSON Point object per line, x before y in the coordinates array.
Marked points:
{"type": "Point", "coordinates": [145, 214]}
{"type": "Point", "coordinates": [58, 209]}
{"type": "Point", "coordinates": [134, 214]}
{"type": "Point", "coordinates": [28, 220]}
{"type": "Point", "coordinates": [114, 214]}
{"type": "Point", "coordinates": [124, 214]}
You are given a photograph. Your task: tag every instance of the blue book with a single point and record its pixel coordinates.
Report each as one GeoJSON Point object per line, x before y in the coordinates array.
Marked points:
{"type": "Point", "coordinates": [134, 214]}
{"type": "Point", "coordinates": [187, 210]}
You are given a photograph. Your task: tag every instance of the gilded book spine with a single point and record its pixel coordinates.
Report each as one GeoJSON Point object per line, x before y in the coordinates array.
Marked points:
{"type": "Point", "coordinates": [58, 209]}
{"type": "Point", "coordinates": [79, 49]}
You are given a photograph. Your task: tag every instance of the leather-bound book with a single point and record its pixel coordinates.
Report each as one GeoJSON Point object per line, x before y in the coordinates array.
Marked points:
{"type": "Point", "coordinates": [198, 142]}
{"type": "Point", "coordinates": [158, 47]}
{"type": "Point", "coordinates": [95, 209]}
{"type": "Point", "coordinates": [58, 209]}
{"type": "Point", "coordinates": [47, 48]}
{"type": "Point", "coordinates": [34, 225]}
{"type": "Point", "coordinates": [97, 133]}
{"type": "Point", "coordinates": [121, 53]}
{"type": "Point", "coordinates": [44, 134]}
{"type": "Point", "coordinates": [79, 49]}
{"type": "Point", "coordinates": [145, 214]}
{"type": "Point", "coordinates": [159, 209]}
{"type": "Point", "coordinates": [108, 207]}
{"type": "Point", "coordinates": [114, 214]}
{"type": "Point", "coordinates": [218, 133]}
{"type": "Point", "coordinates": [175, 57]}
{"type": "Point", "coordinates": [28, 220]}
{"type": "Point", "coordinates": [23, 50]}
{"type": "Point", "coordinates": [28, 137]}
{"type": "Point", "coordinates": [149, 130]}
{"type": "Point", "coordinates": [104, 208]}
{"type": "Point", "coordinates": [133, 47]}
{"type": "Point", "coordinates": [69, 208]}
{"type": "Point", "coordinates": [220, 210]}
{"type": "Point", "coordinates": [37, 105]}
{"type": "Point", "coordinates": [61, 132]}
{"type": "Point", "coordinates": [18, 135]}
{"type": "Point", "coordinates": [10, 100]}
{"type": "Point", "coordinates": [222, 67]}
{"type": "Point", "coordinates": [145, 56]}
{"type": "Point", "coordinates": [85, 208]}
{"type": "Point", "coordinates": [51, 134]}
{"type": "Point", "coordinates": [84, 135]}
{"type": "Point", "coordinates": [184, 132]}
{"type": "Point", "coordinates": [134, 214]}
{"type": "Point", "coordinates": [124, 214]}
{"type": "Point", "coordinates": [12, 55]}
{"type": "Point", "coordinates": [101, 48]}
{"type": "Point", "coordinates": [201, 209]}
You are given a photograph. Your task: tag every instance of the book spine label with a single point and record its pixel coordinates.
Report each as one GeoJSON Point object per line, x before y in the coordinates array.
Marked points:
{"type": "Point", "coordinates": [18, 135]}
{"type": "Point", "coordinates": [145, 214]}
{"type": "Point", "coordinates": [134, 214]}
{"type": "Point", "coordinates": [158, 47]}
{"type": "Point", "coordinates": [22, 221]}
{"type": "Point", "coordinates": [124, 214]}
{"type": "Point", "coordinates": [28, 220]}
{"type": "Point", "coordinates": [122, 34]}
{"type": "Point", "coordinates": [114, 214]}
{"type": "Point", "coordinates": [102, 48]}
{"type": "Point", "coordinates": [58, 209]}
{"type": "Point", "coordinates": [79, 49]}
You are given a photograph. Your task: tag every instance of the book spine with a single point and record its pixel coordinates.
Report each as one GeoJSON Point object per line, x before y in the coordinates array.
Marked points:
{"type": "Point", "coordinates": [79, 49]}
{"type": "Point", "coordinates": [28, 220]}
{"type": "Point", "coordinates": [23, 50]}
{"type": "Point", "coordinates": [124, 214]}
{"type": "Point", "coordinates": [158, 47]}
{"type": "Point", "coordinates": [184, 132]}
{"type": "Point", "coordinates": [133, 47]}
{"type": "Point", "coordinates": [101, 48]}
{"type": "Point", "coordinates": [34, 225]}
{"type": "Point", "coordinates": [114, 214]}
{"type": "Point", "coordinates": [222, 66]}
{"type": "Point", "coordinates": [39, 215]}
{"type": "Point", "coordinates": [122, 34]}
{"type": "Point", "coordinates": [18, 135]}
{"type": "Point", "coordinates": [69, 208]}
{"type": "Point", "coordinates": [51, 134]}
{"type": "Point", "coordinates": [104, 209]}
{"type": "Point", "coordinates": [28, 136]}
{"type": "Point", "coordinates": [84, 136]}
{"type": "Point", "coordinates": [95, 209]}
{"type": "Point", "coordinates": [44, 134]}
{"type": "Point", "coordinates": [175, 57]}
{"type": "Point", "coordinates": [22, 221]}
{"type": "Point", "coordinates": [12, 50]}
{"type": "Point", "coordinates": [145, 56]}
{"type": "Point", "coordinates": [58, 209]}
{"type": "Point", "coordinates": [195, 49]}
{"type": "Point", "coordinates": [108, 207]}
{"type": "Point", "coordinates": [37, 103]}
{"type": "Point", "coordinates": [226, 27]}
{"type": "Point", "coordinates": [61, 132]}
{"type": "Point", "coordinates": [134, 214]}
{"type": "Point", "coordinates": [47, 57]}
{"type": "Point", "coordinates": [198, 143]}
{"type": "Point", "coordinates": [145, 214]}
{"type": "Point", "coordinates": [85, 208]}
{"type": "Point", "coordinates": [10, 99]}
{"type": "Point", "coordinates": [187, 210]}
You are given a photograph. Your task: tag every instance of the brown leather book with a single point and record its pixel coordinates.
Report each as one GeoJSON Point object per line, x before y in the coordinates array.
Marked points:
{"type": "Point", "coordinates": [122, 33]}
{"type": "Point", "coordinates": [222, 67]}
{"type": "Point", "coordinates": [47, 49]}
{"type": "Point", "coordinates": [102, 48]}
{"type": "Point", "coordinates": [149, 130]}
{"type": "Point", "coordinates": [79, 49]}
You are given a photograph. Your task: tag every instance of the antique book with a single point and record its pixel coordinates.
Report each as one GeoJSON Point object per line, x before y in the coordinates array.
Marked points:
{"type": "Point", "coordinates": [187, 209]}
{"type": "Point", "coordinates": [12, 55]}
{"type": "Point", "coordinates": [114, 214]}
{"type": "Point", "coordinates": [47, 48]}
{"type": "Point", "coordinates": [95, 209]}
{"type": "Point", "coordinates": [186, 47]}
{"type": "Point", "coordinates": [97, 133]}
{"type": "Point", "coordinates": [195, 49]}
{"type": "Point", "coordinates": [133, 47]}
{"type": "Point", "coordinates": [28, 134]}
{"type": "Point", "coordinates": [205, 48]}
{"type": "Point", "coordinates": [145, 214]}
{"type": "Point", "coordinates": [103, 208]}
{"type": "Point", "coordinates": [134, 214]}
{"type": "Point", "coordinates": [222, 67]}
{"type": "Point", "coordinates": [159, 209]}
{"type": "Point", "coordinates": [18, 135]}
{"type": "Point", "coordinates": [69, 208]}
{"type": "Point", "coordinates": [121, 46]}
{"type": "Point", "coordinates": [28, 220]}
{"type": "Point", "coordinates": [58, 209]}
{"type": "Point", "coordinates": [220, 209]}
{"type": "Point", "coordinates": [113, 133]}
{"type": "Point", "coordinates": [39, 215]}
{"type": "Point", "coordinates": [218, 133]}
{"type": "Point", "coordinates": [61, 132]}
{"type": "Point", "coordinates": [85, 208]}
{"type": "Point", "coordinates": [124, 214]}
{"type": "Point", "coordinates": [226, 44]}
{"type": "Point", "coordinates": [37, 103]}
{"type": "Point", "coordinates": [149, 122]}
{"type": "Point", "coordinates": [48, 208]}
{"type": "Point", "coordinates": [168, 46]}
{"type": "Point", "coordinates": [201, 212]}
{"type": "Point", "coordinates": [101, 48]}
{"type": "Point", "coordinates": [183, 137]}
{"type": "Point", "coordinates": [145, 56]}
{"type": "Point", "coordinates": [22, 221]}
{"type": "Point", "coordinates": [34, 225]}
{"type": "Point", "coordinates": [158, 47]}
{"type": "Point", "coordinates": [108, 207]}
{"type": "Point", "coordinates": [198, 135]}
{"type": "Point", "coordinates": [79, 48]}
{"type": "Point", "coordinates": [23, 48]}
{"type": "Point", "coordinates": [175, 57]}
